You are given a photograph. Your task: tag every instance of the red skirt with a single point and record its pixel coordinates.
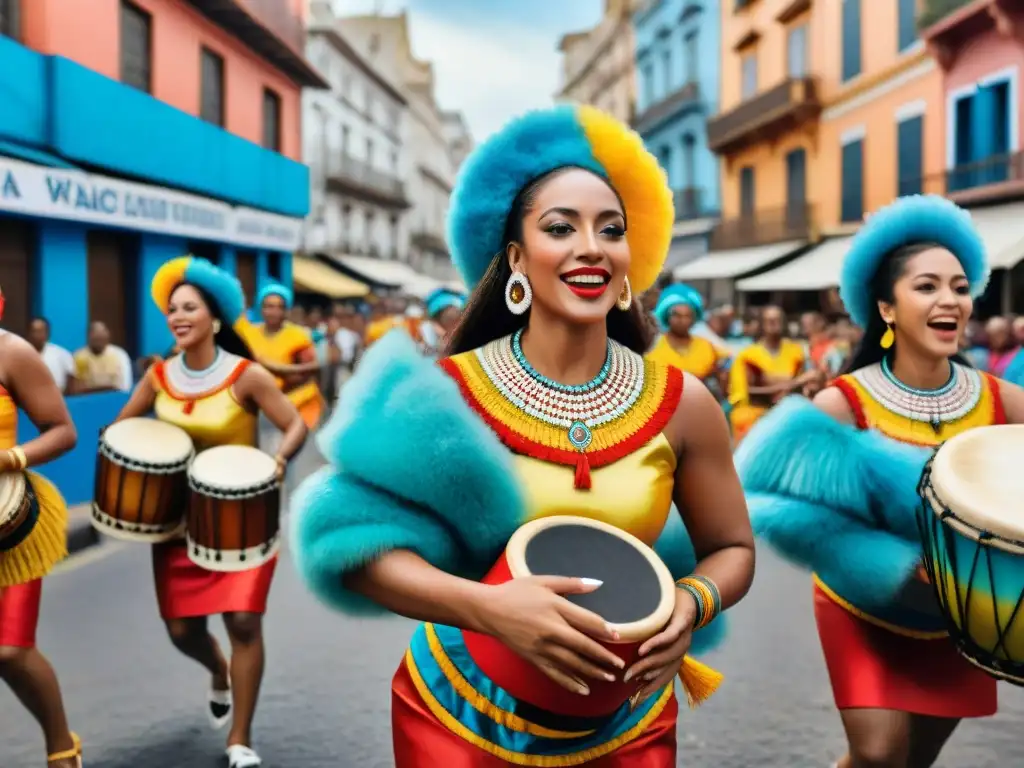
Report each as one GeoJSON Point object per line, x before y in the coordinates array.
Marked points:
{"type": "Point", "coordinates": [872, 667]}
{"type": "Point", "coordinates": [186, 590]}
{"type": "Point", "coordinates": [19, 614]}
{"type": "Point", "coordinates": [422, 741]}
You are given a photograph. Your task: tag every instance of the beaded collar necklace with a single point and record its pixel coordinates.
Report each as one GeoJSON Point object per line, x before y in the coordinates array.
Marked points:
{"type": "Point", "coordinates": [190, 382]}
{"type": "Point", "coordinates": [950, 402]}
{"type": "Point", "coordinates": [586, 425]}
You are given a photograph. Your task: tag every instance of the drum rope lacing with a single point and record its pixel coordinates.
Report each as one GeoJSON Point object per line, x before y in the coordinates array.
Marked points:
{"type": "Point", "coordinates": [935, 530]}
{"type": "Point", "coordinates": [950, 402]}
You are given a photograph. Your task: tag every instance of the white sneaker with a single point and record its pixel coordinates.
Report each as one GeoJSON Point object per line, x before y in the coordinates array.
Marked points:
{"type": "Point", "coordinates": [241, 756]}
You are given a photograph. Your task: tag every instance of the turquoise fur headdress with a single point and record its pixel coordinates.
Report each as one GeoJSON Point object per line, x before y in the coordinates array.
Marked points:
{"type": "Point", "coordinates": [536, 144]}
{"type": "Point", "coordinates": [441, 299]}
{"type": "Point", "coordinates": [673, 296]}
{"type": "Point", "coordinates": [224, 287]}
{"type": "Point", "coordinates": [911, 219]}
{"type": "Point", "coordinates": [276, 289]}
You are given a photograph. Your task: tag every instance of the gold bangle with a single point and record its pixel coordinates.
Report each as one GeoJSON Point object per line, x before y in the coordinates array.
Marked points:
{"type": "Point", "coordinates": [19, 453]}
{"type": "Point", "coordinates": [281, 460]}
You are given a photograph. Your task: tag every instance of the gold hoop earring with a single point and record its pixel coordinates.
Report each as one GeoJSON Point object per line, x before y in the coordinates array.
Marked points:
{"type": "Point", "coordinates": [518, 294]}
{"type": "Point", "coordinates": [888, 338]}
{"type": "Point", "coordinates": [625, 300]}
{"type": "Point", "coordinates": [216, 327]}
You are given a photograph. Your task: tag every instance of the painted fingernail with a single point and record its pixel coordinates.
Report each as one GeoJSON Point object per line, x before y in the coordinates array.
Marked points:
{"type": "Point", "coordinates": [609, 677]}
{"type": "Point", "coordinates": [588, 582]}
{"type": "Point", "coordinates": [650, 675]}
{"type": "Point", "coordinates": [628, 676]}
{"type": "Point", "coordinates": [584, 691]}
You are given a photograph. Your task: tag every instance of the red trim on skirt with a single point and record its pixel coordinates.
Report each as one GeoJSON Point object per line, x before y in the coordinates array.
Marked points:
{"type": "Point", "coordinates": [422, 741]}
{"type": "Point", "coordinates": [871, 667]}
{"type": "Point", "coordinates": [186, 590]}
{"type": "Point", "coordinates": [19, 614]}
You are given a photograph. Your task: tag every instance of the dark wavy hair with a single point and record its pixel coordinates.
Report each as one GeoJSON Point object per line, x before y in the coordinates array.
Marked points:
{"type": "Point", "coordinates": [881, 287]}
{"type": "Point", "coordinates": [227, 337]}
{"type": "Point", "coordinates": [486, 316]}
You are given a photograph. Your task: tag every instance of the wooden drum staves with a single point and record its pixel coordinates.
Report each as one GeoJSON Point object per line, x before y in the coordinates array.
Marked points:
{"type": "Point", "coordinates": [637, 598]}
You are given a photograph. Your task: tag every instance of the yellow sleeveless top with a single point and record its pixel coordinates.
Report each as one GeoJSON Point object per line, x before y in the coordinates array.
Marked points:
{"type": "Point", "coordinates": [789, 360]}
{"type": "Point", "coordinates": [284, 348]}
{"type": "Point", "coordinates": [625, 477]}
{"type": "Point", "coordinates": [8, 420]}
{"type": "Point", "coordinates": [699, 356]}
{"type": "Point", "coordinates": [204, 405]}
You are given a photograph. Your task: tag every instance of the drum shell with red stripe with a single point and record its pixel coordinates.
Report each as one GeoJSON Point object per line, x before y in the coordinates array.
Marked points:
{"type": "Point", "coordinates": [525, 682]}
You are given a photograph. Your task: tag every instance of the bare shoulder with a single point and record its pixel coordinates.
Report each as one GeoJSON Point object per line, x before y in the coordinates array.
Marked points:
{"type": "Point", "coordinates": [1013, 401]}
{"type": "Point", "coordinates": [832, 401]}
{"type": "Point", "coordinates": [16, 353]}
{"type": "Point", "coordinates": [255, 375]}
{"type": "Point", "coordinates": [698, 417]}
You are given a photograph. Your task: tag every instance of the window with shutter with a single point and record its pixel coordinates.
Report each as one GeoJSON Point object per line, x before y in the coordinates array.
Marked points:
{"type": "Point", "coordinates": [136, 47]}
{"type": "Point", "coordinates": [909, 156]}
{"type": "Point", "coordinates": [851, 39]}
{"type": "Point", "coordinates": [17, 244]}
{"type": "Point", "coordinates": [245, 269]}
{"type": "Point", "coordinates": [271, 120]}
{"type": "Point", "coordinates": [907, 23]}
{"type": "Point", "coordinates": [9, 18]}
{"type": "Point", "coordinates": [852, 181]}
{"type": "Point", "coordinates": [796, 51]}
{"type": "Point", "coordinates": [747, 192]}
{"type": "Point", "coordinates": [111, 285]}
{"type": "Point", "coordinates": [211, 72]}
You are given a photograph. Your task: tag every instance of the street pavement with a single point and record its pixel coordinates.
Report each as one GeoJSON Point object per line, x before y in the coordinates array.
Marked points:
{"type": "Point", "coordinates": [325, 699]}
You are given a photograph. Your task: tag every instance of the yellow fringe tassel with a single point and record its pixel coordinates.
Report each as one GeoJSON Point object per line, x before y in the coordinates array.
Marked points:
{"type": "Point", "coordinates": [699, 681]}
{"type": "Point", "coordinates": [46, 546]}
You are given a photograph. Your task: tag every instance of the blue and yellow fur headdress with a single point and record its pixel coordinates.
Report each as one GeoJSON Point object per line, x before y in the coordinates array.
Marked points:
{"type": "Point", "coordinates": [224, 287]}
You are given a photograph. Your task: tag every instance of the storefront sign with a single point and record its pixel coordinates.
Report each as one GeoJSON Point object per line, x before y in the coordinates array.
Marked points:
{"type": "Point", "coordinates": [61, 194]}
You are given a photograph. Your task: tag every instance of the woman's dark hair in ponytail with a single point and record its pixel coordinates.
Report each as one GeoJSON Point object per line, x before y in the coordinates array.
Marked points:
{"type": "Point", "coordinates": [881, 287]}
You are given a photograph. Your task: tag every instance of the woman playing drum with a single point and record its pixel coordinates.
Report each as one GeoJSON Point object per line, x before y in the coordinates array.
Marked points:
{"type": "Point", "coordinates": [26, 384]}
{"type": "Point", "coordinates": [833, 485]}
{"type": "Point", "coordinates": [214, 392]}
{"type": "Point", "coordinates": [556, 221]}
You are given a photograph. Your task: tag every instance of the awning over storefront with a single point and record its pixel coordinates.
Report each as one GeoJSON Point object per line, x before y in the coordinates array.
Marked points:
{"type": "Point", "coordinates": [817, 269]}
{"type": "Point", "coordinates": [1001, 228]}
{"type": "Point", "coordinates": [389, 274]}
{"type": "Point", "coordinates": [735, 263]}
{"type": "Point", "coordinates": [316, 277]}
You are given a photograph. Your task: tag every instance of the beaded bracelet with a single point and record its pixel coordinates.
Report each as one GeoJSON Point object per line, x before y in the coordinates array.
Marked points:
{"type": "Point", "coordinates": [705, 593]}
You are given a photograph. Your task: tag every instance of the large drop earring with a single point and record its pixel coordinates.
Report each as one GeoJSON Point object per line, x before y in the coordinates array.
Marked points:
{"type": "Point", "coordinates": [216, 327]}
{"type": "Point", "coordinates": [518, 294]}
{"type": "Point", "coordinates": [888, 338]}
{"type": "Point", "coordinates": [625, 299]}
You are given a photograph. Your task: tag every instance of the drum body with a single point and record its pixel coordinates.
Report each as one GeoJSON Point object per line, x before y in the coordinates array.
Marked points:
{"type": "Point", "coordinates": [141, 487]}
{"type": "Point", "coordinates": [972, 530]}
{"type": "Point", "coordinates": [637, 599]}
{"type": "Point", "coordinates": [234, 510]}
{"type": "Point", "coordinates": [19, 510]}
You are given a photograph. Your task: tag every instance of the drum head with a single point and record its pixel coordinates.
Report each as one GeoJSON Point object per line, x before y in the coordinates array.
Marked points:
{"type": "Point", "coordinates": [12, 491]}
{"type": "Point", "coordinates": [638, 594]}
{"type": "Point", "coordinates": [232, 468]}
{"type": "Point", "coordinates": [149, 441]}
{"type": "Point", "coordinates": [979, 475]}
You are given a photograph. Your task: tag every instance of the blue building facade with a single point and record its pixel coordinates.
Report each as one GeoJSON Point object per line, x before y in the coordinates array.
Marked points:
{"type": "Point", "coordinates": [100, 183]}
{"type": "Point", "coordinates": [678, 62]}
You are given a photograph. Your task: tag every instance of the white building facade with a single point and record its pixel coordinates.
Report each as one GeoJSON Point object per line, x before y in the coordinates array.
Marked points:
{"type": "Point", "coordinates": [353, 143]}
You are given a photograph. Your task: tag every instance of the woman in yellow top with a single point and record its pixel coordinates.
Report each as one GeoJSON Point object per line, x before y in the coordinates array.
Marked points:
{"type": "Point", "coordinates": [546, 406]}
{"type": "Point", "coordinates": [679, 308]}
{"type": "Point", "coordinates": [214, 392]}
{"type": "Point", "coordinates": [765, 372]}
{"type": "Point", "coordinates": [26, 384]}
{"type": "Point", "coordinates": [280, 342]}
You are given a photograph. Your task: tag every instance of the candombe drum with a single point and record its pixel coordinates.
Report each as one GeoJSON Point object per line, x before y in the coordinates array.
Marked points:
{"type": "Point", "coordinates": [233, 521]}
{"type": "Point", "coordinates": [141, 487]}
{"type": "Point", "coordinates": [637, 598]}
{"type": "Point", "coordinates": [972, 529]}
{"type": "Point", "coordinates": [19, 511]}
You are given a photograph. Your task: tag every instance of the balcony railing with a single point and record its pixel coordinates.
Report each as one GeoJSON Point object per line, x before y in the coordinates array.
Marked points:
{"type": "Point", "coordinates": [690, 203]}
{"type": "Point", "coordinates": [682, 98]}
{"type": "Point", "coordinates": [350, 175]}
{"type": "Point", "coordinates": [794, 222]}
{"type": "Point", "coordinates": [765, 115]}
{"type": "Point", "coordinates": [991, 180]}
{"type": "Point", "coordinates": [428, 241]}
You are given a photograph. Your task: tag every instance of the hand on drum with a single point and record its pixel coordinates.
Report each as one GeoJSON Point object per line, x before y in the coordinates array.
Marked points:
{"type": "Point", "coordinates": [662, 655]}
{"type": "Point", "coordinates": [532, 618]}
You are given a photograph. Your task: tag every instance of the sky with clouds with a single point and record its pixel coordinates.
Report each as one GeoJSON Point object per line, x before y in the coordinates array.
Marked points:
{"type": "Point", "coordinates": [492, 58]}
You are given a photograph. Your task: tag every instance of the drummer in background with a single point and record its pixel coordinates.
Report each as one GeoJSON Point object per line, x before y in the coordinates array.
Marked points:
{"type": "Point", "coordinates": [215, 392]}
{"type": "Point", "coordinates": [26, 384]}
{"type": "Point", "coordinates": [554, 257]}
{"type": "Point", "coordinates": [679, 308]}
{"type": "Point", "coordinates": [444, 309]}
{"type": "Point", "coordinates": [843, 502]}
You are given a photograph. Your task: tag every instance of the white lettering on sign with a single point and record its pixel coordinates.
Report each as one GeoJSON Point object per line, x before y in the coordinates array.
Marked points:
{"type": "Point", "coordinates": [73, 195]}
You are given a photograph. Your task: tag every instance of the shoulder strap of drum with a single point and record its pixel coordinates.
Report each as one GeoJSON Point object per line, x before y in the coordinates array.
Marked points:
{"type": "Point", "coordinates": [998, 411]}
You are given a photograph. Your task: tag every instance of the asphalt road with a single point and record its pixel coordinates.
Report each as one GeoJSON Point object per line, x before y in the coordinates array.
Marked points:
{"type": "Point", "coordinates": [325, 701]}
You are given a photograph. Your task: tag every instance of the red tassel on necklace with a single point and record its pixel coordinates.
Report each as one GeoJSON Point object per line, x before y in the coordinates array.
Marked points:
{"type": "Point", "coordinates": [189, 406]}
{"type": "Point", "coordinates": [582, 481]}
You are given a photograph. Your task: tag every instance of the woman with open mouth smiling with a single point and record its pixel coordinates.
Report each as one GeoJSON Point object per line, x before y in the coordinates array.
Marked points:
{"type": "Point", "coordinates": [544, 406]}
{"type": "Point", "coordinates": [833, 485]}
